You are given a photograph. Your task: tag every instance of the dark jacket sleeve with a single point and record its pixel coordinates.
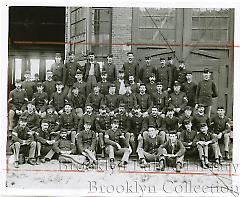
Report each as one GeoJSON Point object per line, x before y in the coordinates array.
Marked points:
{"type": "Point", "coordinates": [79, 142]}
{"type": "Point", "coordinates": [181, 149]}
{"type": "Point", "coordinates": [94, 142]}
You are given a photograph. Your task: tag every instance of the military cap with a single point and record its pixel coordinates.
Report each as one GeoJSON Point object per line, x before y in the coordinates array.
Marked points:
{"type": "Point", "coordinates": [58, 55]}
{"type": "Point", "coordinates": [181, 61]}
{"type": "Point", "coordinates": [36, 75]}
{"type": "Point", "coordinates": [205, 70]}
{"type": "Point", "coordinates": [159, 83]}
{"type": "Point", "coordinates": [103, 107]}
{"type": "Point", "coordinates": [185, 122]}
{"type": "Point", "coordinates": [112, 85]}
{"type": "Point", "coordinates": [31, 102]}
{"type": "Point", "coordinates": [189, 72]}
{"type": "Point", "coordinates": [59, 83]}
{"type": "Point", "coordinates": [79, 72]}
{"type": "Point", "coordinates": [162, 58]}
{"type": "Point", "coordinates": [154, 106]}
{"type": "Point", "coordinates": [95, 85]}
{"type": "Point", "coordinates": [188, 108]}
{"type": "Point", "coordinates": [50, 107]}
{"type": "Point", "coordinates": [88, 104]}
{"type": "Point", "coordinates": [91, 53]}
{"type": "Point", "coordinates": [220, 107]}
{"type": "Point", "coordinates": [142, 84]}
{"type": "Point", "coordinates": [200, 105]}
{"type": "Point", "coordinates": [27, 72]}
{"type": "Point", "coordinates": [121, 105]}
{"type": "Point", "coordinates": [115, 120]}
{"type": "Point", "coordinates": [176, 83]}
{"type": "Point", "coordinates": [130, 52]}
{"type": "Point", "coordinates": [23, 118]}
{"type": "Point", "coordinates": [121, 71]}
{"type": "Point", "coordinates": [170, 109]}
{"type": "Point", "coordinates": [172, 132]}
{"type": "Point", "coordinates": [71, 53]}
{"type": "Point", "coordinates": [104, 72]}
{"type": "Point", "coordinates": [44, 121]}
{"type": "Point", "coordinates": [75, 86]}
{"type": "Point", "coordinates": [88, 122]}
{"type": "Point", "coordinates": [152, 75]}
{"type": "Point", "coordinates": [110, 55]}
{"type": "Point", "coordinates": [39, 84]}
{"type": "Point", "coordinates": [49, 71]}
{"type": "Point", "coordinates": [63, 130]}
{"type": "Point", "coordinates": [136, 107]}
{"type": "Point", "coordinates": [18, 81]}
{"type": "Point", "coordinates": [169, 58]}
{"type": "Point", "coordinates": [203, 124]}
{"type": "Point", "coordinates": [147, 57]}
{"type": "Point", "coordinates": [68, 103]}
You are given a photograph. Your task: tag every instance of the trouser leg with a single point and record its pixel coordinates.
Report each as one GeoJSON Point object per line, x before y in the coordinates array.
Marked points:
{"type": "Point", "coordinates": [162, 135]}
{"type": "Point", "coordinates": [73, 136]}
{"type": "Point", "coordinates": [200, 152]}
{"type": "Point", "coordinates": [226, 141]}
{"type": "Point", "coordinates": [32, 149]}
{"type": "Point", "coordinates": [180, 159]}
{"type": "Point", "coordinates": [38, 149]}
{"type": "Point", "coordinates": [16, 149]}
{"type": "Point", "coordinates": [101, 140]}
{"type": "Point", "coordinates": [10, 119]}
{"type": "Point", "coordinates": [50, 154]}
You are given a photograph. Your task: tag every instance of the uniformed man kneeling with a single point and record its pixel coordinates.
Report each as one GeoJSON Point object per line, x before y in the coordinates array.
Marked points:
{"type": "Point", "coordinates": [115, 141]}
{"type": "Point", "coordinates": [150, 150]}
{"type": "Point", "coordinates": [86, 144]}
{"type": "Point", "coordinates": [172, 151]}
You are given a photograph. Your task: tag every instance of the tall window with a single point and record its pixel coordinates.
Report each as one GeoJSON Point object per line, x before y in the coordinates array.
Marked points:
{"type": "Point", "coordinates": [101, 35]}
{"type": "Point", "coordinates": [34, 67]}
{"type": "Point", "coordinates": [18, 68]}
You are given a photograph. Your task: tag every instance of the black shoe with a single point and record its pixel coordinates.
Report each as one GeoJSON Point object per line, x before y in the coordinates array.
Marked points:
{"type": "Point", "coordinates": [103, 153]}
{"type": "Point", "coordinates": [47, 159]}
{"type": "Point", "coordinates": [43, 160]}
{"type": "Point", "coordinates": [31, 162]}
{"type": "Point", "coordinates": [112, 164]}
{"type": "Point", "coordinates": [227, 156]}
{"type": "Point", "coordinates": [122, 164]}
{"type": "Point", "coordinates": [160, 166]}
{"type": "Point", "coordinates": [16, 164]}
{"type": "Point", "coordinates": [38, 161]}
{"type": "Point", "coordinates": [143, 163]}
{"type": "Point", "coordinates": [203, 165]}
{"type": "Point", "coordinates": [178, 167]}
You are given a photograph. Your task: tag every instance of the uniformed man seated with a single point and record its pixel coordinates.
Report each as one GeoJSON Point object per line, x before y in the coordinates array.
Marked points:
{"type": "Point", "coordinates": [149, 150]}
{"type": "Point", "coordinates": [171, 153]}
{"type": "Point", "coordinates": [86, 144]}
{"type": "Point", "coordinates": [114, 140]}
{"type": "Point", "coordinates": [204, 140]}
{"type": "Point", "coordinates": [23, 141]}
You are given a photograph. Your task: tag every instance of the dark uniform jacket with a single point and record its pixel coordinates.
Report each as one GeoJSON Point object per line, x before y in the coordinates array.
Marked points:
{"type": "Point", "coordinates": [41, 100]}
{"type": "Point", "coordinates": [104, 87]}
{"type": "Point", "coordinates": [57, 70]}
{"type": "Point", "coordinates": [87, 118]}
{"type": "Point", "coordinates": [86, 140]}
{"type": "Point", "coordinates": [68, 121]}
{"type": "Point", "coordinates": [206, 90]}
{"type": "Point", "coordinates": [198, 120]}
{"type": "Point", "coordinates": [19, 134]}
{"type": "Point", "coordinates": [151, 145]}
{"type": "Point", "coordinates": [129, 100]}
{"type": "Point", "coordinates": [49, 88]}
{"type": "Point", "coordinates": [134, 87]}
{"type": "Point", "coordinates": [82, 88]}
{"type": "Point", "coordinates": [177, 148]}
{"type": "Point", "coordinates": [58, 100]}
{"type": "Point", "coordinates": [103, 123]}
{"type": "Point", "coordinates": [151, 88]}
{"type": "Point", "coordinates": [112, 101]}
{"type": "Point", "coordinates": [96, 100]}
{"type": "Point", "coordinates": [178, 100]}
{"type": "Point", "coordinates": [69, 72]}
{"type": "Point", "coordinates": [111, 71]}
{"type": "Point", "coordinates": [180, 75]}
{"type": "Point", "coordinates": [30, 88]}
{"type": "Point", "coordinates": [64, 145]}
{"type": "Point", "coordinates": [219, 125]}
{"type": "Point", "coordinates": [160, 100]}
{"type": "Point", "coordinates": [114, 137]}
{"type": "Point", "coordinates": [53, 121]}
{"type": "Point", "coordinates": [123, 119]}
{"type": "Point", "coordinates": [42, 136]}
{"type": "Point", "coordinates": [153, 121]}
{"type": "Point", "coordinates": [204, 137]}
{"type": "Point", "coordinates": [144, 101]}
{"type": "Point", "coordinates": [187, 136]}
{"type": "Point", "coordinates": [135, 125]}
{"type": "Point", "coordinates": [146, 71]}
{"type": "Point", "coordinates": [77, 101]}
{"type": "Point", "coordinates": [190, 90]}
{"type": "Point", "coordinates": [131, 69]}
{"type": "Point", "coordinates": [164, 75]}
{"type": "Point", "coordinates": [170, 124]}
{"type": "Point", "coordinates": [33, 120]}
{"type": "Point", "coordinates": [17, 99]}
{"type": "Point", "coordinates": [97, 72]}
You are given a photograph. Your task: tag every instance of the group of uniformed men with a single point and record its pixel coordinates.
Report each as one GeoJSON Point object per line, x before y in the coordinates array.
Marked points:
{"type": "Point", "coordinates": [156, 112]}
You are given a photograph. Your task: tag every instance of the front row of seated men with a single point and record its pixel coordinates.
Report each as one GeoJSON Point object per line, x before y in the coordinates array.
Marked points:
{"type": "Point", "coordinates": [155, 138]}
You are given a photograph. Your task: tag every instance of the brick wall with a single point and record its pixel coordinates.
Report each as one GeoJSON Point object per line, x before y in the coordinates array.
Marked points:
{"type": "Point", "coordinates": [121, 34]}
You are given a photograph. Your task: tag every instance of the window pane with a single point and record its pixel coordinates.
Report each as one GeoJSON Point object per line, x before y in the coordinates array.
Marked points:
{"type": "Point", "coordinates": [34, 67]}
{"type": "Point", "coordinates": [49, 64]}
{"type": "Point", "coordinates": [18, 68]}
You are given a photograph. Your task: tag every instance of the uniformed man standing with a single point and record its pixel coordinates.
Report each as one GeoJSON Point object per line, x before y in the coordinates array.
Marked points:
{"type": "Point", "coordinates": [104, 84]}
{"type": "Point", "coordinates": [57, 68]}
{"type": "Point", "coordinates": [133, 84]}
{"type": "Point", "coordinates": [146, 70]}
{"type": "Point", "coordinates": [69, 72]}
{"type": "Point", "coordinates": [110, 69]}
{"type": "Point", "coordinates": [129, 99]}
{"type": "Point", "coordinates": [206, 90]}
{"type": "Point", "coordinates": [180, 73]}
{"type": "Point", "coordinates": [92, 73]}
{"type": "Point", "coordinates": [189, 87]}
{"type": "Point", "coordinates": [49, 85]}
{"type": "Point", "coordinates": [160, 99]}
{"type": "Point", "coordinates": [80, 84]}
{"type": "Point", "coordinates": [111, 100]}
{"type": "Point", "coordinates": [131, 68]}
{"type": "Point", "coordinates": [164, 75]}
{"type": "Point", "coordinates": [151, 86]}
{"type": "Point", "coordinates": [28, 85]}
{"type": "Point", "coordinates": [17, 102]}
